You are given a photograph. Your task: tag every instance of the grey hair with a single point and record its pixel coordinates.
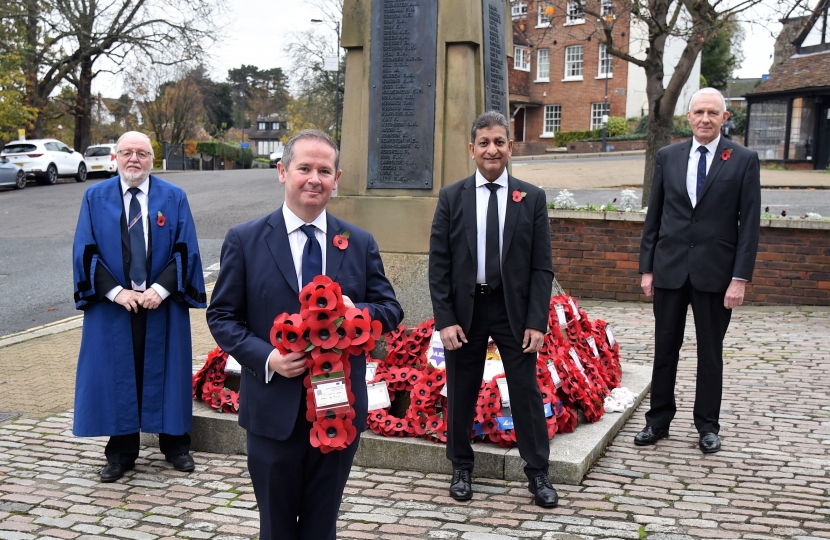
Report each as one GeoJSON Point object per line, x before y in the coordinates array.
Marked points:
{"type": "Point", "coordinates": [708, 90]}
{"type": "Point", "coordinates": [313, 134]}
{"type": "Point", "coordinates": [138, 133]}
{"type": "Point", "coordinates": [489, 119]}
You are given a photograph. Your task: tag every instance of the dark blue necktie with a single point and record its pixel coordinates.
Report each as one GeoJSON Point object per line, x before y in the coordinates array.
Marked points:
{"type": "Point", "coordinates": [138, 249]}
{"type": "Point", "coordinates": [492, 258]}
{"type": "Point", "coordinates": [701, 171]}
{"type": "Point", "coordinates": [312, 255]}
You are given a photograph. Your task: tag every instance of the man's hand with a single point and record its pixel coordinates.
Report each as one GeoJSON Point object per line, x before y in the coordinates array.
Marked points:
{"type": "Point", "coordinates": [129, 299]}
{"type": "Point", "coordinates": [452, 337]}
{"type": "Point", "coordinates": [647, 283]}
{"type": "Point", "coordinates": [150, 299]}
{"type": "Point", "coordinates": [288, 365]}
{"type": "Point", "coordinates": [348, 301]}
{"type": "Point", "coordinates": [533, 340]}
{"type": "Point", "coordinates": [734, 294]}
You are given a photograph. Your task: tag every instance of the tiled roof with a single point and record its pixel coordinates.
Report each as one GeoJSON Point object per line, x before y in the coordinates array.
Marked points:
{"type": "Point", "coordinates": [798, 71]}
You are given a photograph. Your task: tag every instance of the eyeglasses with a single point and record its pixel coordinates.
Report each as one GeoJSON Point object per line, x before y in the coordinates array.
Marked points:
{"type": "Point", "coordinates": [127, 154]}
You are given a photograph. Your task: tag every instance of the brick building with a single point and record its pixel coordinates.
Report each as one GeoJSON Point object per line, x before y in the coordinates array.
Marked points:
{"type": "Point", "coordinates": [560, 71]}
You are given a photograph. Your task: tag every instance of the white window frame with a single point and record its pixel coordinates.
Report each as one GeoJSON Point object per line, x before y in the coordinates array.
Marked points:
{"type": "Point", "coordinates": [551, 118]}
{"type": "Point", "coordinates": [574, 55]}
{"type": "Point", "coordinates": [574, 13]}
{"type": "Point", "coordinates": [604, 60]}
{"type": "Point", "coordinates": [597, 110]}
{"type": "Point", "coordinates": [606, 7]}
{"type": "Point", "coordinates": [261, 126]}
{"type": "Point", "coordinates": [518, 9]}
{"type": "Point", "coordinates": [520, 60]}
{"type": "Point", "coordinates": [542, 20]}
{"type": "Point", "coordinates": [540, 77]}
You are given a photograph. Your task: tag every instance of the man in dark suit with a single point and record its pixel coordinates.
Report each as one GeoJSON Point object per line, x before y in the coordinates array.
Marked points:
{"type": "Point", "coordinates": [490, 274]}
{"type": "Point", "coordinates": [137, 274]}
{"type": "Point", "coordinates": [264, 264]}
{"type": "Point", "coordinates": [698, 247]}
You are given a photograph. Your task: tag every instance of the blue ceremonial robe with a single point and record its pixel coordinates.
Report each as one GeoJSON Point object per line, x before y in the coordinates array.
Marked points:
{"type": "Point", "coordinates": [105, 387]}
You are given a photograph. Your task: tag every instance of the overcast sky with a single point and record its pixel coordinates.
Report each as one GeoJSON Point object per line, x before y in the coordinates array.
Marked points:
{"type": "Point", "coordinates": [258, 31]}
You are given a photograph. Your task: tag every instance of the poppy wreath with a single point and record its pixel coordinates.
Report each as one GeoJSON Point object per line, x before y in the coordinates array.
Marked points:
{"type": "Point", "coordinates": [329, 333]}
{"type": "Point", "coordinates": [409, 376]}
{"type": "Point", "coordinates": [209, 384]}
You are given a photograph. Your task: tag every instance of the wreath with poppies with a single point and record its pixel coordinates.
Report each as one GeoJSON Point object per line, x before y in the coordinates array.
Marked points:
{"type": "Point", "coordinates": [577, 367]}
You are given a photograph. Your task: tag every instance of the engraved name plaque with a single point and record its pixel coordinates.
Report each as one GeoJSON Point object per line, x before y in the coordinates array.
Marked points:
{"type": "Point", "coordinates": [495, 56]}
{"type": "Point", "coordinates": [402, 93]}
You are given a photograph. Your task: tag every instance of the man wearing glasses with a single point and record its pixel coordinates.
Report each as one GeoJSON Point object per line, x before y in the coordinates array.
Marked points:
{"type": "Point", "coordinates": [137, 273]}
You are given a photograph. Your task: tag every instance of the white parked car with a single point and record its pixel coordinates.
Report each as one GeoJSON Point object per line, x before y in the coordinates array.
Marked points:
{"type": "Point", "coordinates": [275, 157]}
{"type": "Point", "coordinates": [46, 160]}
{"type": "Point", "coordinates": [100, 158]}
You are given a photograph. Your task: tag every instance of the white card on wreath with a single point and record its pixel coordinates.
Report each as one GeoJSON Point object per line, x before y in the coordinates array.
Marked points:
{"type": "Point", "coordinates": [378, 396]}
{"type": "Point", "coordinates": [232, 366]}
{"type": "Point", "coordinates": [371, 369]}
{"type": "Point", "coordinates": [435, 352]}
{"type": "Point", "coordinates": [491, 369]}
{"type": "Point", "coordinates": [504, 391]}
{"type": "Point", "coordinates": [610, 335]}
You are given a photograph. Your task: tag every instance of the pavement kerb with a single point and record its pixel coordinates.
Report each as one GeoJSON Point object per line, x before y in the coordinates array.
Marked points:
{"type": "Point", "coordinates": [565, 155]}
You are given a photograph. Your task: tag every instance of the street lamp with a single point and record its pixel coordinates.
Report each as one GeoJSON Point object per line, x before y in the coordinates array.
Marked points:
{"type": "Point", "coordinates": [336, 83]}
{"type": "Point", "coordinates": [605, 108]}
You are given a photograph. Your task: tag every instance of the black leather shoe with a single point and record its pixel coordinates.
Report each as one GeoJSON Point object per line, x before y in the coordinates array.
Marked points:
{"type": "Point", "coordinates": [650, 435]}
{"type": "Point", "coordinates": [114, 471]}
{"type": "Point", "coordinates": [461, 488]}
{"type": "Point", "coordinates": [182, 462]}
{"type": "Point", "coordinates": [709, 442]}
{"type": "Point", "coordinates": [543, 493]}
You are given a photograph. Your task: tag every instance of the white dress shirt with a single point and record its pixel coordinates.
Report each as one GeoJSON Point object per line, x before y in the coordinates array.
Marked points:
{"type": "Point", "coordinates": [694, 159]}
{"type": "Point", "coordinates": [297, 240]}
{"type": "Point", "coordinates": [482, 201]}
{"type": "Point", "coordinates": [144, 187]}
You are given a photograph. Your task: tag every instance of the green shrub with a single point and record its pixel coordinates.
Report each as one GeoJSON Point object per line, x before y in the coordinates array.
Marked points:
{"type": "Point", "coordinates": [617, 125]}
{"type": "Point", "coordinates": [243, 156]}
{"type": "Point", "coordinates": [738, 116]}
{"type": "Point", "coordinates": [562, 138]}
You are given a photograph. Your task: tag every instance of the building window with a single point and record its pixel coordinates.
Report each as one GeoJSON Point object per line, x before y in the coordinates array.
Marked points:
{"type": "Point", "coordinates": [261, 126]}
{"type": "Point", "coordinates": [520, 59]}
{"type": "Point", "coordinates": [518, 10]}
{"type": "Point", "coordinates": [801, 129]}
{"type": "Point", "coordinates": [573, 62]}
{"type": "Point", "coordinates": [553, 120]}
{"type": "Point", "coordinates": [544, 11]}
{"type": "Point", "coordinates": [265, 148]}
{"type": "Point", "coordinates": [275, 126]}
{"type": "Point", "coordinates": [542, 65]}
{"type": "Point", "coordinates": [767, 128]}
{"type": "Point", "coordinates": [607, 8]}
{"type": "Point", "coordinates": [604, 62]}
{"type": "Point", "coordinates": [574, 13]}
{"type": "Point", "coordinates": [598, 110]}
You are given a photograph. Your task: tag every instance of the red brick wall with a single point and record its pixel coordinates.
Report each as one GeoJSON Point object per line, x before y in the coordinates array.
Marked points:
{"type": "Point", "coordinates": [597, 258]}
{"type": "Point", "coordinates": [518, 81]}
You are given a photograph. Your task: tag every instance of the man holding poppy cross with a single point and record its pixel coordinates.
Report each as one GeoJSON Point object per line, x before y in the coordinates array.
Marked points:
{"type": "Point", "coordinates": [264, 265]}
{"type": "Point", "coordinates": [490, 274]}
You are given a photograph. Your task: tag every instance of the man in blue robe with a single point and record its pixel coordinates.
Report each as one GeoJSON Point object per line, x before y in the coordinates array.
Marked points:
{"type": "Point", "coordinates": [137, 272]}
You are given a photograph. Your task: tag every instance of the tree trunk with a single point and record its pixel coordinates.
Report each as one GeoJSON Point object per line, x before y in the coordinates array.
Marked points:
{"type": "Point", "coordinates": [83, 107]}
{"type": "Point", "coordinates": [659, 135]}
{"type": "Point", "coordinates": [30, 67]}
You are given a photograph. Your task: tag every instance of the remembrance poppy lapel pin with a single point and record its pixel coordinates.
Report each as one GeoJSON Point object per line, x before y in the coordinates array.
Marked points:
{"type": "Point", "coordinates": [726, 154]}
{"type": "Point", "coordinates": [341, 241]}
{"type": "Point", "coordinates": [519, 195]}
{"type": "Point", "coordinates": [160, 220]}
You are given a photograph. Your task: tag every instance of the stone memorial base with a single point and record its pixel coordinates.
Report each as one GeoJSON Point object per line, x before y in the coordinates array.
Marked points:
{"type": "Point", "coordinates": [571, 454]}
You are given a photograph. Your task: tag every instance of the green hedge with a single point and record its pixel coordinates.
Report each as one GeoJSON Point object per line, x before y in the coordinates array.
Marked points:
{"type": "Point", "coordinates": [243, 156]}
{"type": "Point", "coordinates": [562, 138]}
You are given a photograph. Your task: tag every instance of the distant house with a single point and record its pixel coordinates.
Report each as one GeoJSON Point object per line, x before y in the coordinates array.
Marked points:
{"type": "Point", "coordinates": [788, 116]}
{"type": "Point", "coordinates": [560, 72]}
{"type": "Point", "coordinates": [265, 134]}
{"type": "Point", "coordinates": [737, 89]}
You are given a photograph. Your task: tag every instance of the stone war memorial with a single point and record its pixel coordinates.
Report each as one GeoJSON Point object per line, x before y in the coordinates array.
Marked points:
{"type": "Point", "coordinates": [417, 75]}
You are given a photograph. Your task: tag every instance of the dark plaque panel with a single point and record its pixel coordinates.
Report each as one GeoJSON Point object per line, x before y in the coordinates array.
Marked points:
{"type": "Point", "coordinates": [402, 93]}
{"type": "Point", "coordinates": [495, 56]}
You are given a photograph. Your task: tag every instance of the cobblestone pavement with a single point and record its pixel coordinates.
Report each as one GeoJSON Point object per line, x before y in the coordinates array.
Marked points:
{"type": "Point", "coordinates": [770, 481]}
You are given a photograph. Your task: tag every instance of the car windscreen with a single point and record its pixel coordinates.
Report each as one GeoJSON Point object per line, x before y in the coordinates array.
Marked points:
{"type": "Point", "coordinates": [19, 148]}
{"type": "Point", "coordinates": [98, 151]}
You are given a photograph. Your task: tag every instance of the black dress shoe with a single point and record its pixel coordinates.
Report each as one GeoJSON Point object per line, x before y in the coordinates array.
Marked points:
{"type": "Point", "coordinates": [182, 462]}
{"type": "Point", "coordinates": [461, 488]}
{"type": "Point", "coordinates": [650, 435]}
{"type": "Point", "coordinates": [114, 471]}
{"type": "Point", "coordinates": [543, 493]}
{"type": "Point", "coordinates": [709, 442]}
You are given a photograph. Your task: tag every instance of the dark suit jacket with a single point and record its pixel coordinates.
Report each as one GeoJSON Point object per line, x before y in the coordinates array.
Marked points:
{"type": "Point", "coordinates": [527, 268]}
{"type": "Point", "coordinates": [714, 241]}
{"type": "Point", "coordinates": [257, 282]}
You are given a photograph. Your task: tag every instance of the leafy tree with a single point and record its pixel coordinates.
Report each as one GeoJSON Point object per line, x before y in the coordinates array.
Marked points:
{"type": "Point", "coordinates": [217, 102]}
{"type": "Point", "coordinates": [172, 104]}
{"type": "Point", "coordinates": [262, 92]}
{"type": "Point", "coordinates": [14, 114]}
{"type": "Point", "coordinates": [721, 55]}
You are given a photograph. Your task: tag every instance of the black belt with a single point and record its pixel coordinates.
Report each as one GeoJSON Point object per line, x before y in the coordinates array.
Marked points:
{"type": "Point", "coordinates": [483, 288]}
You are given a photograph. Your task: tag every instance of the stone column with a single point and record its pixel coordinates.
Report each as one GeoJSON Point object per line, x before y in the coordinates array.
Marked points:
{"type": "Point", "coordinates": [397, 208]}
